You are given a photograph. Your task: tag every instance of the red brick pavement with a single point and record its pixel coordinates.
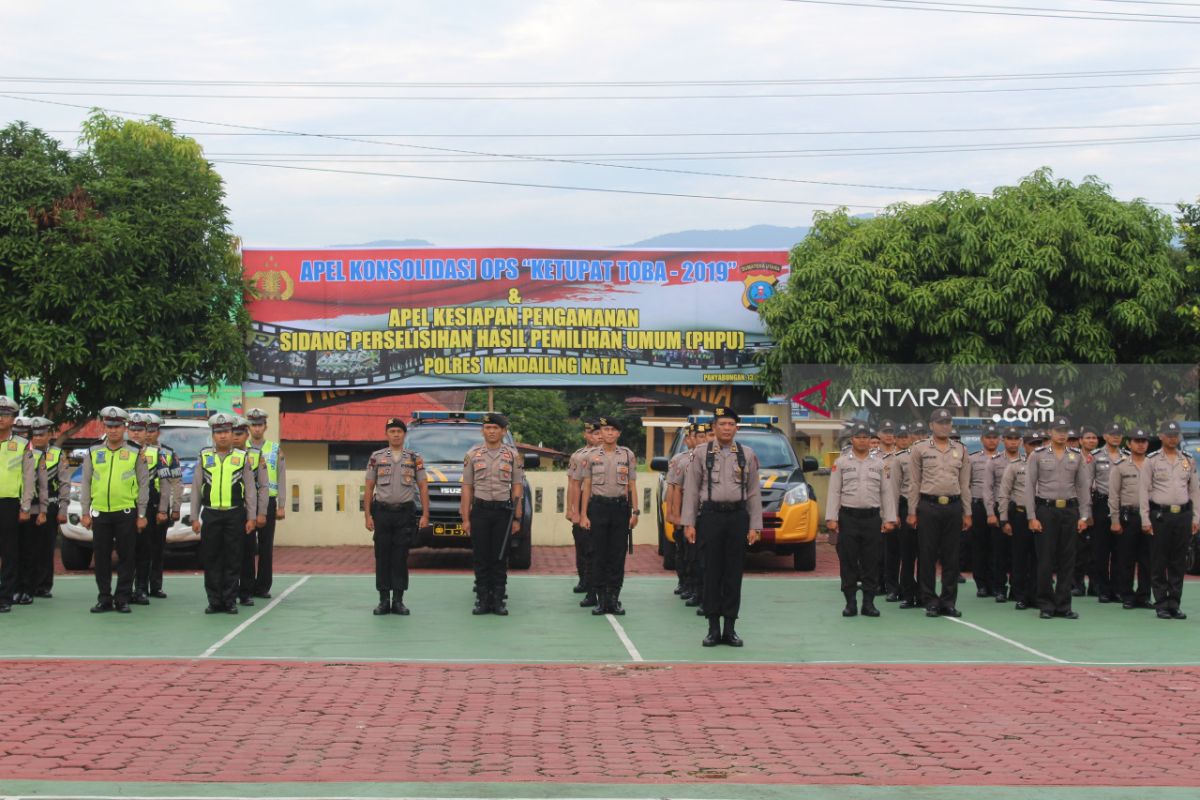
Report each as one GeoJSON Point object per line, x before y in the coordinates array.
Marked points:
{"type": "Point", "coordinates": [893, 725]}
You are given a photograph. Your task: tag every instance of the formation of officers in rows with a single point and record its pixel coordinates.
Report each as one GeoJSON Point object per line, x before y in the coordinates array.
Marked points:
{"type": "Point", "coordinates": [131, 490]}
{"type": "Point", "coordinates": [1034, 520]}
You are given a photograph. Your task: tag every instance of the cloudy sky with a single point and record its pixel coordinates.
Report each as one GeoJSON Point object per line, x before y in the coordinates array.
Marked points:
{"type": "Point", "coordinates": [414, 113]}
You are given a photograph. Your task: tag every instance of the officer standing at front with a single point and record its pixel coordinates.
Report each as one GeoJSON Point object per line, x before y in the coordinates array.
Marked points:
{"type": "Point", "coordinates": [224, 509]}
{"type": "Point", "coordinates": [1170, 502]}
{"type": "Point", "coordinates": [258, 466]}
{"type": "Point", "coordinates": [582, 538]}
{"type": "Point", "coordinates": [860, 507]}
{"type": "Point", "coordinates": [491, 510]}
{"type": "Point", "coordinates": [722, 512]}
{"type": "Point", "coordinates": [170, 483]}
{"type": "Point", "coordinates": [609, 511]}
{"type": "Point", "coordinates": [18, 476]}
{"type": "Point", "coordinates": [58, 496]}
{"type": "Point", "coordinates": [261, 577]}
{"type": "Point", "coordinates": [1058, 499]}
{"type": "Point", "coordinates": [940, 509]}
{"type": "Point", "coordinates": [1104, 541]}
{"type": "Point", "coordinates": [115, 485]}
{"type": "Point", "coordinates": [395, 476]}
{"type": "Point", "coordinates": [1125, 512]}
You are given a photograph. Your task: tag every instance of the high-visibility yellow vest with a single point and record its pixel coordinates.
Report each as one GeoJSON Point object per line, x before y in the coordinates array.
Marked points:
{"type": "Point", "coordinates": [270, 451]}
{"type": "Point", "coordinates": [150, 453]}
{"type": "Point", "coordinates": [53, 478]}
{"type": "Point", "coordinates": [222, 486]}
{"type": "Point", "coordinates": [12, 465]}
{"type": "Point", "coordinates": [114, 478]}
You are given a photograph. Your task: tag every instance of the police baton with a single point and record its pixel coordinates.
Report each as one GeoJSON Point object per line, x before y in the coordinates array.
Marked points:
{"type": "Point", "coordinates": [512, 512]}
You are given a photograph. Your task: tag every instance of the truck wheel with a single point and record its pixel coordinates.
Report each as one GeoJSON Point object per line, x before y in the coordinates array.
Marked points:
{"type": "Point", "coordinates": [520, 555]}
{"type": "Point", "coordinates": [804, 558]}
{"type": "Point", "coordinates": [75, 555]}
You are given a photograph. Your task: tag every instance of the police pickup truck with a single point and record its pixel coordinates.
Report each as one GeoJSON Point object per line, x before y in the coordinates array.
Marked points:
{"type": "Point", "coordinates": [442, 438]}
{"type": "Point", "coordinates": [790, 514]}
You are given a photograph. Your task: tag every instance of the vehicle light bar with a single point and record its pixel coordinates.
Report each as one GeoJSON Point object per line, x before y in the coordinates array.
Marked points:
{"type": "Point", "coordinates": [470, 416]}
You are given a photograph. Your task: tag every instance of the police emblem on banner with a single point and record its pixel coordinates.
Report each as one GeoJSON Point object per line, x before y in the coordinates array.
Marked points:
{"type": "Point", "coordinates": [272, 284]}
{"type": "Point", "coordinates": [759, 283]}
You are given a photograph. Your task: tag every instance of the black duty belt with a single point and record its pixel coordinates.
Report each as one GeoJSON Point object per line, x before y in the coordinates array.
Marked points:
{"type": "Point", "coordinates": [623, 500]}
{"type": "Point", "coordinates": [1018, 507]}
{"type": "Point", "coordinates": [379, 505]}
{"type": "Point", "coordinates": [1068, 503]}
{"type": "Point", "coordinates": [713, 505]}
{"type": "Point", "coordinates": [1172, 509]}
{"type": "Point", "coordinates": [1101, 496]}
{"type": "Point", "coordinates": [1130, 510]}
{"type": "Point", "coordinates": [859, 512]}
{"type": "Point", "coordinates": [942, 499]}
{"type": "Point", "coordinates": [495, 505]}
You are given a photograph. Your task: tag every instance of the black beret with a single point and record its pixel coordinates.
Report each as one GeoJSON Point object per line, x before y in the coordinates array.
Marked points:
{"type": "Point", "coordinates": [729, 413]}
{"type": "Point", "coordinates": [495, 418]}
{"type": "Point", "coordinates": [396, 422]}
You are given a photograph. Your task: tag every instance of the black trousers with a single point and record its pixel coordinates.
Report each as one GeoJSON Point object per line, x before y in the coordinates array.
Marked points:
{"type": "Point", "coordinates": [260, 578]}
{"type": "Point", "coordinates": [43, 580]}
{"type": "Point", "coordinates": [114, 530]}
{"type": "Point", "coordinates": [1104, 548]}
{"type": "Point", "coordinates": [583, 555]}
{"type": "Point", "coordinates": [1168, 556]}
{"type": "Point", "coordinates": [907, 536]}
{"type": "Point", "coordinates": [144, 546]}
{"type": "Point", "coordinates": [981, 547]}
{"type": "Point", "coordinates": [27, 546]}
{"type": "Point", "coordinates": [721, 536]}
{"type": "Point", "coordinates": [1056, 546]}
{"type": "Point", "coordinates": [939, 534]}
{"type": "Point", "coordinates": [10, 546]}
{"type": "Point", "coordinates": [221, 539]}
{"type": "Point", "coordinates": [158, 546]}
{"type": "Point", "coordinates": [487, 534]}
{"type": "Point", "coordinates": [891, 554]}
{"type": "Point", "coordinates": [1024, 556]}
{"type": "Point", "coordinates": [1001, 553]}
{"type": "Point", "coordinates": [1084, 562]}
{"type": "Point", "coordinates": [393, 537]}
{"type": "Point", "coordinates": [1132, 556]}
{"type": "Point", "coordinates": [859, 542]}
{"type": "Point", "coordinates": [681, 546]}
{"type": "Point", "coordinates": [610, 532]}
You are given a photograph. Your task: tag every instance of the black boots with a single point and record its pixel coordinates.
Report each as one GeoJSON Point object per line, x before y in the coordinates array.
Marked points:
{"type": "Point", "coordinates": [730, 636]}
{"type": "Point", "coordinates": [498, 606]}
{"type": "Point", "coordinates": [851, 609]}
{"type": "Point", "coordinates": [589, 600]}
{"type": "Point", "coordinates": [868, 606]}
{"type": "Point", "coordinates": [398, 606]}
{"type": "Point", "coordinates": [714, 632]}
{"type": "Point", "coordinates": [483, 603]}
{"type": "Point", "coordinates": [385, 605]}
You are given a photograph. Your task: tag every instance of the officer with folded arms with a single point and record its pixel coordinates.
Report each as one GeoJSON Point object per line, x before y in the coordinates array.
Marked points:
{"type": "Point", "coordinates": [861, 506]}
{"type": "Point", "coordinates": [939, 505]}
{"type": "Point", "coordinates": [224, 509]}
{"type": "Point", "coordinates": [491, 511]}
{"type": "Point", "coordinates": [1132, 547]}
{"type": "Point", "coordinates": [115, 490]}
{"type": "Point", "coordinates": [609, 511]}
{"type": "Point", "coordinates": [1058, 500]}
{"type": "Point", "coordinates": [1170, 503]}
{"type": "Point", "coordinates": [395, 477]}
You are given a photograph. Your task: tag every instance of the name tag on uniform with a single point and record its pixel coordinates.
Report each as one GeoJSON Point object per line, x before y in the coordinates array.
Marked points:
{"type": "Point", "coordinates": [12, 445]}
{"type": "Point", "coordinates": [100, 457]}
{"type": "Point", "coordinates": [124, 455]}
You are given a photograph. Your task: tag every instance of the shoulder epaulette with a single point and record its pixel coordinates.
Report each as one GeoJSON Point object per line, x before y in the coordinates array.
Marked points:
{"type": "Point", "coordinates": [1096, 451]}
{"type": "Point", "coordinates": [1040, 449]}
{"type": "Point", "coordinates": [1154, 454]}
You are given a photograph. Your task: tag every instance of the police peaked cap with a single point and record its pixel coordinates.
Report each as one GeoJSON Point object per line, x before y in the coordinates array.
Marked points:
{"type": "Point", "coordinates": [256, 415]}
{"type": "Point", "coordinates": [113, 415]}
{"type": "Point", "coordinates": [221, 421]}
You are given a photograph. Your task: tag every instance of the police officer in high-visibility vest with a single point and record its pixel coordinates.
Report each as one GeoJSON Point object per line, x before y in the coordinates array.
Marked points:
{"type": "Point", "coordinates": [722, 512]}
{"type": "Point", "coordinates": [1170, 504]}
{"type": "Point", "coordinates": [395, 478]}
{"type": "Point", "coordinates": [263, 573]}
{"type": "Point", "coordinates": [224, 511]}
{"type": "Point", "coordinates": [115, 490]}
{"type": "Point", "coordinates": [170, 482]}
{"type": "Point", "coordinates": [583, 538]}
{"type": "Point", "coordinates": [55, 469]}
{"type": "Point", "coordinates": [33, 531]}
{"type": "Point", "coordinates": [491, 511]}
{"type": "Point", "coordinates": [22, 594]}
{"type": "Point", "coordinates": [609, 511]}
{"type": "Point", "coordinates": [241, 436]}
{"type": "Point", "coordinates": [157, 508]}
{"type": "Point", "coordinates": [18, 470]}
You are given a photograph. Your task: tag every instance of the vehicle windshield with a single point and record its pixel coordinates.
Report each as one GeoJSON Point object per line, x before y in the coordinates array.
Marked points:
{"type": "Point", "coordinates": [186, 442]}
{"type": "Point", "coordinates": [444, 444]}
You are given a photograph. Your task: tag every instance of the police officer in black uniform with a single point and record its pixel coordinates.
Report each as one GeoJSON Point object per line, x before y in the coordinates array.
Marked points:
{"type": "Point", "coordinates": [491, 510]}
{"type": "Point", "coordinates": [609, 511]}
{"type": "Point", "coordinates": [1170, 501]}
{"type": "Point", "coordinates": [394, 478]}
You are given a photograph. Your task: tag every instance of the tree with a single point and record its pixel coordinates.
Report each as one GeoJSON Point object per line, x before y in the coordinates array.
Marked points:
{"type": "Point", "coordinates": [1189, 229]}
{"type": "Point", "coordinates": [120, 276]}
{"type": "Point", "coordinates": [1044, 272]}
{"type": "Point", "coordinates": [535, 416]}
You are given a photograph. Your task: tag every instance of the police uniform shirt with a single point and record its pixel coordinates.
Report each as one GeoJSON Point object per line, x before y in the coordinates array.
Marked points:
{"type": "Point", "coordinates": [981, 461]}
{"type": "Point", "coordinates": [611, 472]}
{"type": "Point", "coordinates": [492, 471]}
{"type": "Point", "coordinates": [861, 483]}
{"type": "Point", "coordinates": [1012, 486]}
{"type": "Point", "coordinates": [677, 467]}
{"type": "Point", "coordinates": [1102, 464]}
{"type": "Point", "coordinates": [262, 482]}
{"type": "Point", "coordinates": [200, 475]}
{"type": "Point", "coordinates": [1124, 485]}
{"type": "Point", "coordinates": [153, 459]}
{"type": "Point", "coordinates": [136, 461]}
{"type": "Point", "coordinates": [57, 482]}
{"type": "Point", "coordinates": [941, 473]}
{"type": "Point", "coordinates": [1169, 484]}
{"type": "Point", "coordinates": [35, 495]}
{"type": "Point", "coordinates": [397, 477]}
{"type": "Point", "coordinates": [900, 471]}
{"type": "Point", "coordinates": [16, 459]}
{"type": "Point", "coordinates": [170, 477]}
{"type": "Point", "coordinates": [1052, 478]}
{"type": "Point", "coordinates": [729, 483]}
{"type": "Point", "coordinates": [997, 466]}
{"type": "Point", "coordinates": [573, 464]}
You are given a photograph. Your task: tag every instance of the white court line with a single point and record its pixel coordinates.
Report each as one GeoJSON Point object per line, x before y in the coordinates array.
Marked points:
{"type": "Point", "coordinates": [207, 653]}
{"type": "Point", "coordinates": [624, 637]}
{"type": "Point", "coordinates": [1006, 640]}
{"type": "Point", "coordinates": [165, 796]}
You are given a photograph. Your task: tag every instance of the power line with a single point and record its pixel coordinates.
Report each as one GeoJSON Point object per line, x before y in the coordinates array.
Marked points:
{"type": "Point", "coordinates": [1118, 15]}
{"type": "Point", "coordinates": [1087, 15]}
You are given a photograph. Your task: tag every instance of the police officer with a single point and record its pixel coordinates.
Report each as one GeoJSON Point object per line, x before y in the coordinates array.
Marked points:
{"type": "Point", "coordinates": [170, 485]}
{"type": "Point", "coordinates": [1132, 547]}
{"type": "Point", "coordinates": [157, 509]}
{"type": "Point", "coordinates": [1014, 522]}
{"type": "Point", "coordinates": [674, 484]}
{"type": "Point", "coordinates": [115, 490]}
{"type": "Point", "coordinates": [722, 511]}
{"type": "Point", "coordinates": [32, 549]}
{"type": "Point", "coordinates": [900, 471]}
{"type": "Point", "coordinates": [54, 470]}
{"type": "Point", "coordinates": [1000, 546]}
{"type": "Point", "coordinates": [491, 510]}
{"type": "Point", "coordinates": [1170, 502]}
{"type": "Point", "coordinates": [861, 505]}
{"type": "Point", "coordinates": [889, 555]}
{"type": "Point", "coordinates": [693, 594]}
{"type": "Point", "coordinates": [1104, 540]}
{"type": "Point", "coordinates": [980, 540]}
{"type": "Point", "coordinates": [394, 478]}
{"type": "Point", "coordinates": [260, 577]}
{"type": "Point", "coordinates": [609, 511]}
{"type": "Point", "coordinates": [582, 538]}
{"type": "Point", "coordinates": [1058, 499]}
{"type": "Point", "coordinates": [1086, 581]}
{"type": "Point", "coordinates": [224, 510]}
{"type": "Point", "coordinates": [939, 503]}
{"type": "Point", "coordinates": [258, 466]}
{"type": "Point", "coordinates": [18, 477]}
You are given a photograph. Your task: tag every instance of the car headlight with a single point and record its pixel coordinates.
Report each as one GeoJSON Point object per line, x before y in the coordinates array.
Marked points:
{"type": "Point", "coordinates": [73, 519]}
{"type": "Point", "coordinates": [796, 495]}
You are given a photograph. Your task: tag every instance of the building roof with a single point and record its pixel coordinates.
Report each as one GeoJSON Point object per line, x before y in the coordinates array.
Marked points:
{"type": "Point", "coordinates": [360, 421]}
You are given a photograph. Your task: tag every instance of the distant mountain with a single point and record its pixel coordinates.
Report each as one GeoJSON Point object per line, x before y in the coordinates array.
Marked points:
{"type": "Point", "coordinates": [389, 243]}
{"type": "Point", "coordinates": [756, 237]}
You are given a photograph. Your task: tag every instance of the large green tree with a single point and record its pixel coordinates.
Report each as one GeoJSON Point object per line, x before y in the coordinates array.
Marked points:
{"type": "Point", "coordinates": [1042, 272]}
{"type": "Point", "coordinates": [119, 277]}
{"type": "Point", "coordinates": [535, 416]}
